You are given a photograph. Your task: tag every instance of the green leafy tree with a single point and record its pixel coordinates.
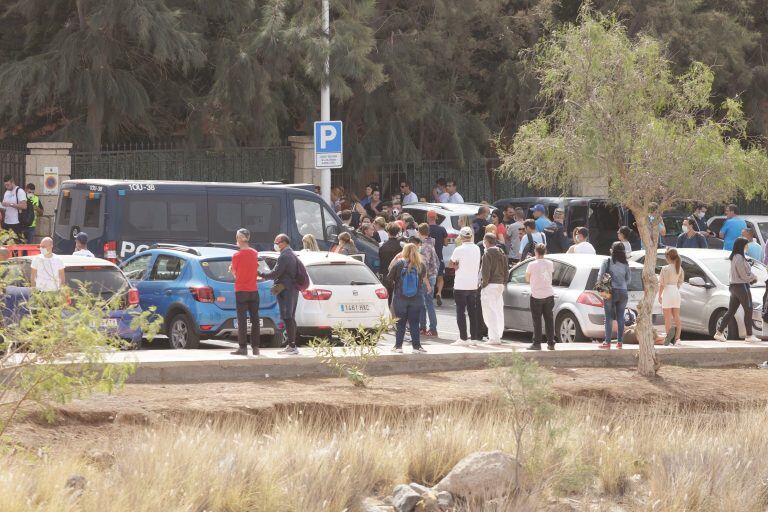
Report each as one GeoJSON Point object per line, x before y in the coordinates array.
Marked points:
{"type": "Point", "coordinates": [96, 71]}
{"type": "Point", "coordinates": [618, 121]}
{"type": "Point", "coordinates": [58, 352]}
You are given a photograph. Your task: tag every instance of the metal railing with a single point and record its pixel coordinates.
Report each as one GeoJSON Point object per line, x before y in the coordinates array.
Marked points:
{"type": "Point", "coordinates": [164, 162]}
{"type": "Point", "coordinates": [13, 161]}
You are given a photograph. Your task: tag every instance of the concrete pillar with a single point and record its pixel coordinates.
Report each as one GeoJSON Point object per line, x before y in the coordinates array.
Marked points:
{"type": "Point", "coordinates": [304, 159]}
{"type": "Point", "coordinates": [48, 165]}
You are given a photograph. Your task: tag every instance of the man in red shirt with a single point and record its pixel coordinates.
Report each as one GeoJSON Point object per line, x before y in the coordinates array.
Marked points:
{"type": "Point", "coordinates": [245, 266]}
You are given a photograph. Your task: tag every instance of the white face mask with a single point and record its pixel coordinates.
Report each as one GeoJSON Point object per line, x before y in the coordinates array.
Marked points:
{"type": "Point", "coordinates": [700, 214]}
{"type": "Point", "coordinates": [277, 248]}
{"type": "Point", "coordinates": [686, 229]}
{"type": "Point", "coordinates": [44, 251]}
{"type": "Point", "coordinates": [651, 217]}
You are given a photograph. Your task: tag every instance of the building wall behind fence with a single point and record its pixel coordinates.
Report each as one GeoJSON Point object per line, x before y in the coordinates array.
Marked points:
{"type": "Point", "coordinates": [242, 164]}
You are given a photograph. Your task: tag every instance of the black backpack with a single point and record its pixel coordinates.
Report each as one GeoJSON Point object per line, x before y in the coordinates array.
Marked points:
{"type": "Point", "coordinates": [26, 217]}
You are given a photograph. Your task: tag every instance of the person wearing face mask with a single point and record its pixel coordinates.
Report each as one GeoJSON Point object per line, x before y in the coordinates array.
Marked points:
{"type": "Point", "coordinates": [285, 275]}
{"type": "Point", "coordinates": [581, 245]}
{"type": "Point", "coordinates": [690, 238]}
{"type": "Point", "coordinates": [700, 219]}
{"type": "Point", "coordinates": [652, 208]}
{"type": "Point", "coordinates": [47, 268]}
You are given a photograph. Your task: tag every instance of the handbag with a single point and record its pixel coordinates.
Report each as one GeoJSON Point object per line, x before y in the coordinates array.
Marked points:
{"type": "Point", "coordinates": [276, 289]}
{"type": "Point", "coordinates": [603, 286]}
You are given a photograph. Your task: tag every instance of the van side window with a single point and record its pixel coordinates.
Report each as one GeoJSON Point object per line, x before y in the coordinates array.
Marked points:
{"type": "Point", "coordinates": [65, 210]}
{"type": "Point", "coordinates": [309, 218]}
{"type": "Point", "coordinates": [164, 215]}
{"type": "Point", "coordinates": [92, 213]}
{"type": "Point", "coordinates": [260, 215]}
{"type": "Point", "coordinates": [167, 268]}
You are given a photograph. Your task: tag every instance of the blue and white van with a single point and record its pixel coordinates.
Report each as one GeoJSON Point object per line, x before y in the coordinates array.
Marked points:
{"type": "Point", "coordinates": [122, 218]}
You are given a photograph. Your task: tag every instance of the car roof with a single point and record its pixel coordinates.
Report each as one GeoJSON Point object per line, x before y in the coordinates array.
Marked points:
{"type": "Point", "coordinates": [205, 252]}
{"type": "Point", "coordinates": [74, 261]}
{"type": "Point", "coordinates": [317, 257]}
{"type": "Point", "coordinates": [447, 209]}
{"type": "Point", "coordinates": [585, 260]}
{"type": "Point", "coordinates": [758, 218]}
{"type": "Point", "coordinates": [694, 253]}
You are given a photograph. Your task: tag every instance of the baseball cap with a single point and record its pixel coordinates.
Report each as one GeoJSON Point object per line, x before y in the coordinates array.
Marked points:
{"type": "Point", "coordinates": [82, 237]}
{"type": "Point", "coordinates": [466, 232]}
{"type": "Point", "coordinates": [539, 208]}
{"type": "Point", "coordinates": [559, 211]}
{"type": "Point", "coordinates": [431, 214]}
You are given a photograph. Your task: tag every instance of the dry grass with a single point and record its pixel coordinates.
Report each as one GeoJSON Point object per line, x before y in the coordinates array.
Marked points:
{"type": "Point", "coordinates": [646, 458]}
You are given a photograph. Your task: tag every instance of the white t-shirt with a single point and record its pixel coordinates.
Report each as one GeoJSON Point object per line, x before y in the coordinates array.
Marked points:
{"type": "Point", "coordinates": [467, 255]}
{"type": "Point", "coordinates": [47, 279]}
{"type": "Point", "coordinates": [410, 198]}
{"type": "Point", "coordinates": [539, 274]}
{"type": "Point", "coordinates": [584, 248]}
{"type": "Point", "coordinates": [17, 195]}
{"type": "Point", "coordinates": [444, 197]}
{"type": "Point", "coordinates": [455, 198]}
{"type": "Point", "coordinates": [538, 238]}
{"type": "Point", "coordinates": [84, 252]}
{"type": "Point", "coordinates": [383, 235]}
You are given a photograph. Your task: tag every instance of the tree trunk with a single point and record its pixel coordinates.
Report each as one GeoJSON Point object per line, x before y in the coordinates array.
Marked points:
{"type": "Point", "coordinates": [647, 363]}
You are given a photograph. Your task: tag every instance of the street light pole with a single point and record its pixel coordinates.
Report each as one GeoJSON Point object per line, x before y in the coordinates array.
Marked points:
{"type": "Point", "coordinates": [325, 98]}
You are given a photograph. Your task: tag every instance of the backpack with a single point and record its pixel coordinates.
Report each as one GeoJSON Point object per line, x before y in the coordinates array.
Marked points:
{"type": "Point", "coordinates": [302, 278]}
{"type": "Point", "coordinates": [26, 217]}
{"type": "Point", "coordinates": [409, 281]}
{"type": "Point", "coordinates": [530, 249]}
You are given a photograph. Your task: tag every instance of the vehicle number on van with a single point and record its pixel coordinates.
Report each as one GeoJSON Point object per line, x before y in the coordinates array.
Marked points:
{"type": "Point", "coordinates": [141, 187]}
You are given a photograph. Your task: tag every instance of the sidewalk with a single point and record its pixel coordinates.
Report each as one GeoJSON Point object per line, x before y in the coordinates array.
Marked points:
{"type": "Point", "coordinates": [218, 365]}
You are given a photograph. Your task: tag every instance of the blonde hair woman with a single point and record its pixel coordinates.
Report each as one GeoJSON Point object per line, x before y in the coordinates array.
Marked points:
{"type": "Point", "coordinates": [409, 277]}
{"type": "Point", "coordinates": [670, 280]}
{"type": "Point", "coordinates": [310, 244]}
{"type": "Point", "coordinates": [346, 245]}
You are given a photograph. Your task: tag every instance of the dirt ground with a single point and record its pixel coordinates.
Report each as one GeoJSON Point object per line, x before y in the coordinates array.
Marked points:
{"type": "Point", "coordinates": [106, 416]}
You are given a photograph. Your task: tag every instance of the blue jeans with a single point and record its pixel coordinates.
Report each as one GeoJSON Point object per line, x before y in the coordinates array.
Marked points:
{"type": "Point", "coordinates": [429, 307]}
{"type": "Point", "coordinates": [614, 310]}
{"type": "Point", "coordinates": [408, 309]}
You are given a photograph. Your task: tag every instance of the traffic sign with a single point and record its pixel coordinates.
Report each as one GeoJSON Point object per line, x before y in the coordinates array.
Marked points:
{"type": "Point", "coordinates": [329, 150]}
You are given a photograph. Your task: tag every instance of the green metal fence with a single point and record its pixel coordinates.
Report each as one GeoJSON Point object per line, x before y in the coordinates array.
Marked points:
{"type": "Point", "coordinates": [139, 162]}
{"type": "Point", "coordinates": [476, 180]}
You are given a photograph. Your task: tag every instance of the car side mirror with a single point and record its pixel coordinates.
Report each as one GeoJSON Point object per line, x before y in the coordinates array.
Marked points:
{"type": "Point", "coordinates": [698, 282]}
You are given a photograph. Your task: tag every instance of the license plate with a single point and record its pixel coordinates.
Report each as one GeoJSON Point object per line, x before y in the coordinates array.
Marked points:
{"type": "Point", "coordinates": [248, 323]}
{"type": "Point", "coordinates": [355, 308]}
{"type": "Point", "coordinates": [109, 322]}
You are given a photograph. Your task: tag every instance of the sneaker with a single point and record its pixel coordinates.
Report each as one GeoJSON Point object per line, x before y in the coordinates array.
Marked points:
{"type": "Point", "coordinates": [397, 350]}
{"type": "Point", "coordinates": [719, 336]}
{"type": "Point", "coordinates": [240, 352]}
{"type": "Point", "coordinates": [535, 346]}
{"type": "Point", "coordinates": [605, 345]}
{"type": "Point", "coordinates": [419, 350]}
{"type": "Point", "coordinates": [462, 343]}
{"type": "Point", "coordinates": [494, 342]}
{"type": "Point", "coordinates": [291, 351]}
{"type": "Point", "coordinates": [439, 300]}
{"type": "Point", "coordinates": [619, 345]}
{"type": "Point", "coordinates": [752, 339]}
{"type": "Point", "coordinates": [432, 332]}
{"type": "Point", "coordinates": [550, 346]}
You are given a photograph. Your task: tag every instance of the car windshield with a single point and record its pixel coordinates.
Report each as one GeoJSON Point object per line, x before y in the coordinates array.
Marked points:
{"type": "Point", "coordinates": [218, 270]}
{"type": "Point", "coordinates": [96, 280]}
{"type": "Point", "coordinates": [721, 268]}
{"type": "Point", "coordinates": [341, 275]}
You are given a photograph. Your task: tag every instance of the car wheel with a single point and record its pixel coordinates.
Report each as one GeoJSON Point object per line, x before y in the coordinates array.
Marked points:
{"type": "Point", "coordinates": [731, 330]}
{"type": "Point", "coordinates": [182, 332]}
{"type": "Point", "coordinates": [568, 330]}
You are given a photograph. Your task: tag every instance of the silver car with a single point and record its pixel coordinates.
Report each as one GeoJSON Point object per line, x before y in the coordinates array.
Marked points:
{"type": "Point", "coordinates": [579, 314]}
{"type": "Point", "coordinates": [705, 292]}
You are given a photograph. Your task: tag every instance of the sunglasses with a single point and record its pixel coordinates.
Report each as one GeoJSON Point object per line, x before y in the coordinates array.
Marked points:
{"type": "Point", "coordinates": [403, 186]}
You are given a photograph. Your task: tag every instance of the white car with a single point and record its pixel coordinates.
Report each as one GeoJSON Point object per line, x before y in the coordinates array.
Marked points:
{"type": "Point", "coordinates": [579, 314]}
{"type": "Point", "coordinates": [451, 216]}
{"type": "Point", "coordinates": [705, 292]}
{"type": "Point", "coordinates": [343, 291]}
{"type": "Point", "coordinates": [757, 222]}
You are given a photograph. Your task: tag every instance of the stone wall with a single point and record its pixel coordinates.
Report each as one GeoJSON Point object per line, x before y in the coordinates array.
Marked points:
{"type": "Point", "coordinates": [48, 159]}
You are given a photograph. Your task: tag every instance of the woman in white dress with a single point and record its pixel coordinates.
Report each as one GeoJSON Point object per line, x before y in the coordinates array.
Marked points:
{"type": "Point", "coordinates": [670, 281]}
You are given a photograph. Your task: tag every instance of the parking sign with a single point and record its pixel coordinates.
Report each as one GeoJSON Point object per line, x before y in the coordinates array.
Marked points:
{"type": "Point", "coordinates": [329, 151]}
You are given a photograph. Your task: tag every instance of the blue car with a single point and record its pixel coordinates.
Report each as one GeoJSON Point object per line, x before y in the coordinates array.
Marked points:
{"type": "Point", "coordinates": [193, 291]}
{"type": "Point", "coordinates": [99, 277]}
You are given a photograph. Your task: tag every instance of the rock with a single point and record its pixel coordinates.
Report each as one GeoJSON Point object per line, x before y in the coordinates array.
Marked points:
{"type": "Point", "coordinates": [99, 458]}
{"type": "Point", "coordinates": [421, 489]}
{"type": "Point", "coordinates": [76, 482]}
{"type": "Point", "coordinates": [444, 499]}
{"type": "Point", "coordinates": [405, 499]}
{"type": "Point", "coordinates": [481, 475]}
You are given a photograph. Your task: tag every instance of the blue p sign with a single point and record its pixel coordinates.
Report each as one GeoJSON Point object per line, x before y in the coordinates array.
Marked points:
{"type": "Point", "coordinates": [329, 150]}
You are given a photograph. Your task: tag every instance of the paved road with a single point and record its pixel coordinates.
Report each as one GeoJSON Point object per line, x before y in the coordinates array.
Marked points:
{"type": "Point", "coordinates": [446, 328]}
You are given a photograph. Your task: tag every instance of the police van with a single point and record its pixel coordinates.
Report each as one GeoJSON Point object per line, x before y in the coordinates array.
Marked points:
{"type": "Point", "coordinates": [122, 218]}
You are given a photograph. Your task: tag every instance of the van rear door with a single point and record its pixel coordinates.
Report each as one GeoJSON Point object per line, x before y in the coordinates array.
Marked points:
{"type": "Point", "coordinates": [81, 208]}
